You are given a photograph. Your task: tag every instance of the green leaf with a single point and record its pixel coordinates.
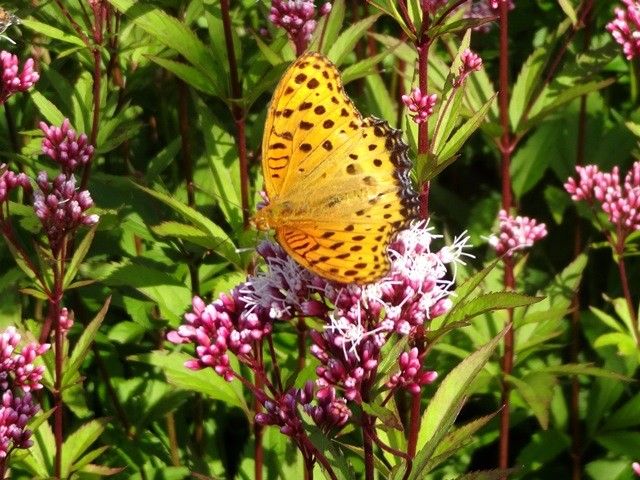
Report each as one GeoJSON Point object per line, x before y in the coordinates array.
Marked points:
{"type": "Point", "coordinates": [329, 27]}
{"type": "Point", "coordinates": [78, 256]}
{"type": "Point", "coordinates": [224, 245]}
{"type": "Point", "coordinates": [543, 447]}
{"type": "Point", "coordinates": [569, 10]}
{"type": "Point", "coordinates": [491, 301]}
{"type": "Point", "coordinates": [451, 147]}
{"type": "Point", "coordinates": [460, 25]}
{"type": "Point", "coordinates": [83, 345]}
{"type": "Point", "coordinates": [185, 232]}
{"type": "Point", "coordinates": [390, 8]}
{"type": "Point", "coordinates": [90, 457]}
{"type": "Point", "coordinates": [162, 160]}
{"type": "Point", "coordinates": [346, 42]}
{"type": "Point", "coordinates": [363, 68]}
{"type": "Point", "coordinates": [583, 369]}
{"type": "Point", "coordinates": [446, 403]}
{"type": "Point", "coordinates": [205, 381]}
{"type": "Point", "coordinates": [50, 31]}
{"type": "Point", "coordinates": [48, 110]}
{"type": "Point", "coordinates": [77, 443]}
{"type": "Point", "coordinates": [186, 73]}
{"type": "Point", "coordinates": [386, 416]}
{"type": "Point", "coordinates": [457, 440]}
{"type": "Point", "coordinates": [537, 390]}
{"type": "Point", "coordinates": [564, 97]}
{"type": "Point", "coordinates": [35, 293]}
{"type": "Point", "coordinates": [175, 35]}
{"type": "Point", "coordinates": [530, 79]}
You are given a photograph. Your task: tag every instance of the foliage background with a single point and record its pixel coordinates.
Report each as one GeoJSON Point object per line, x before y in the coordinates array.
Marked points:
{"type": "Point", "coordinates": [166, 121]}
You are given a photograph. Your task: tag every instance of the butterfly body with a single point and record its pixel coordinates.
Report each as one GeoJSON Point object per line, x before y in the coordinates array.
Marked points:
{"type": "Point", "coordinates": [338, 184]}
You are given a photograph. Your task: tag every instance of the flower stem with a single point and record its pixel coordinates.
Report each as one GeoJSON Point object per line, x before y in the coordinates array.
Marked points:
{"type": "Point", "coordinates": [622, 270]}
{"type": "Point", "coordinates": [54, 315]}
{"type": "Point", "coordinates": [238, 111]}
{"type": "Point", "coordinates": [574, 401]}
{"type": "Point", "coordinates": [414, 425]}
{"type": "Point", "coordinates": [506, 148]}
{"type": "Point", "coordinates": [367, 446]}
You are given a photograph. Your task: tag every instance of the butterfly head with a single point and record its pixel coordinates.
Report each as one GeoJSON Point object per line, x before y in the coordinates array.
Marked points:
{"type": "Point", "coordinates": [271, 215]}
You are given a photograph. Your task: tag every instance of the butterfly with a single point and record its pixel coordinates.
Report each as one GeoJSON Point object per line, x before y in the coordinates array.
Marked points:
{"type": "Point", "coordinates": [6, 20]}
{"type": "Point", "coordinates": [338, 184]}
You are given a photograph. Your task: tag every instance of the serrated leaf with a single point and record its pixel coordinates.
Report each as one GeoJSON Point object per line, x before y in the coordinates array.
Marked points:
{"type": "Point", "coordinates": [224, 245]}
{"type": "Point", "coordinates": [446, 403]}
{"type": "Point", "coordinates": [205, 381]}
{"type": "Point", "coordinates": [48, 110]}
{"type": "Point", "coordinates": [185, 232]}
{"type": "Point", "coordinates": [77, 443]}
{"type": "Point", "coordinates": [186, 73]}
{"type": "Point", "coordinates": [347, 40]}
{"type": "Point", "coordinates": [386, 416]}
{"type": "Point", "coordinates": [453, 144]}
{"type": "Point", "coordinates": [78, 256]}
{"type": "Point", "coordinates": [537, 391]}
{"type": "Point", "coordinates": [50, 31]}
{"type": "Point", "coordinates": [583, 369]}
{"type": "Point", "coordinates": [175, 35]}
{"type": "Point", "coordinates": [491, 301]}
{"type": "Point", "coordinates": [83, 345]}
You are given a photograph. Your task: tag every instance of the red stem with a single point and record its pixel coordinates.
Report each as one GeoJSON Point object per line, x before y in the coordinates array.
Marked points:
{"type": "Point", "coordinates": [54, 314]}
{"type": "Point", "coordinates": [414, 425]}
{"type": "Point", "coordinates": [574, 402]}
{"type": "Point", "coordinates": [506, 148]}
{"type": "Point", "coordinates": [237, 110]}
{"type": "Point", "coordinates": [507, 368]}
{"type": "Point", "coordinates": [423, 128]}
{"type": "Point", "coordinates": [367, 445]}
{"type": "Point", "coordinates": [622, 270]}
{"type": "Point", "coordinates": [99, 11]}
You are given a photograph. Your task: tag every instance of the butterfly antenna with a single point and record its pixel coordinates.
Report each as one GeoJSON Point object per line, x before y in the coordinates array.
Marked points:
{"type": "Point", "coordinates": [8, 39]}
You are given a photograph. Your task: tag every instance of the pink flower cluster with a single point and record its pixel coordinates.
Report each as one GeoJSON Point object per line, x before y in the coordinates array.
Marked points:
{"type": "Point", "coordinates": [420, 105]}
{"type": "Point", "coordinates": [283, 290]}
{"type": "Point", "coordinates": [14, 80]}
{"type": "Point", "coordinates": [635, 466]}
{"type": "Point", "coordinates": [625, 28]}
{"type": "Point", "coordinates": [329, 413]}
{"type": "Point", "coordinates": [619, 200]}
{"type": "Point", "coordinates": [60, 207]}
{"type": "Point", "coordinates": [415, 290]}
{"type": "Point", "coordinates": [18, 378]}
{"type": "Point", "coordinates": [359, 321]}
{"type": "Point", "coordinates": [411, 376]}
{"type": "Point", "coordinates": [65, 320]}
{"type": "Point", "coordinates": [65, 147]}
{"type": "Point", "coordinates": [218, 328]}
{"type": "Point", "coordinates": [298, 19]}
{"type": "Point", "coordinates": [471, 62]}
{"type": "Point", "coordinates": [10, 180]}
{"type": "Point", "coordinates": [516, 233]}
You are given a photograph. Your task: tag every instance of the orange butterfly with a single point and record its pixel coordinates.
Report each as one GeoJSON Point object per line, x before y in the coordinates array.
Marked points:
{"type": "Point", "coordinates": [338, 184]}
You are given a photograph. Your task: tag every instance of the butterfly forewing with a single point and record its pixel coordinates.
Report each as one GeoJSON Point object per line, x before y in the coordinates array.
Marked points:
{"type": "Point", "coordinates": [341, 182]}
